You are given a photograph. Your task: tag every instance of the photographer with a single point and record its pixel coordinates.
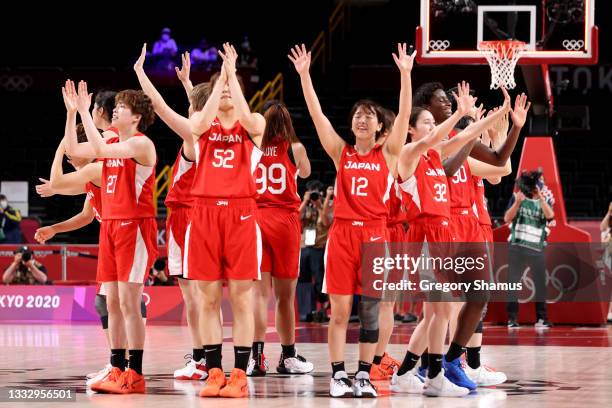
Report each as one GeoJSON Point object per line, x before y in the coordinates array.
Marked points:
{"type": "Point", "coordinates": [529, 212]}
{"type": "Point", "coordinates": [315, 216]}
{"type": "Point", "coordinates": [25, 270]}
{"type": "Point", "coordinates": [10, 220]}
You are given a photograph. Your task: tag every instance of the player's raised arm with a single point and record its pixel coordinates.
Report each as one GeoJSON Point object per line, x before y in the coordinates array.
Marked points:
{"type": "Point", "coordinates": [183, 73]}
{"type": "Point", "coordinates": [201, 120]}
{"type": "Point", "coordinates": [254, 123]}
{"type": "Point", "coordinates": [331, 141]}
{"type": "Point", "coordinates": [85, 217]}
{"type": "Point", "coordinates": [179, 124]}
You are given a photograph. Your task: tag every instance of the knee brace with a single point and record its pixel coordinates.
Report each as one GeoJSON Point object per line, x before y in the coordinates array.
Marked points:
{"type": "Point", "coordinates": [368, 315]}
{"type": "Point", "coordinates": [143, 308]}
{"type": "Point", "coordinates": [100, 304]}
{"type": "Point", "coordinates": [479, 327]}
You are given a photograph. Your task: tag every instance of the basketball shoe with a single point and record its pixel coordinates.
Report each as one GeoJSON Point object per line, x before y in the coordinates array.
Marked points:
{"type": "Point", "coordinates": [237, 386]}
{"type": "Point", "coordinates": [214, 383]}
{"type": "Point", "coordinates": [193, 370]}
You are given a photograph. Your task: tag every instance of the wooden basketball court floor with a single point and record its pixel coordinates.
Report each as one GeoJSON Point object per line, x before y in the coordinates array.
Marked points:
{"type": "Point", "coordinates": [560, 367]}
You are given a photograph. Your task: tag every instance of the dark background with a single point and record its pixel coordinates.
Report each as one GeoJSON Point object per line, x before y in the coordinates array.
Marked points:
{"type": "Point", "coordinates": [52, 42]}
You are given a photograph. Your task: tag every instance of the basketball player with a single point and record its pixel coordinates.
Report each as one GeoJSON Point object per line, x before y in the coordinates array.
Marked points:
{"type": "Point", "coordinates": [425, 192]}
{"type": "Point", "coordinates": [363, 183]}
{"type": "Point", "coordinates": [284, 159]}
{"type": "Point", "coordinates": [223, 241]}
{"type": "Point", "coordinates": [179, 201]}
{"type": "Point", "coordinates": [128, 234]}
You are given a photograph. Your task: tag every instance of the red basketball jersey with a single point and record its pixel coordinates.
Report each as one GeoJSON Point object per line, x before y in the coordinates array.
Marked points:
{"type": "Point", "coordinates": [363, 185]}
{"type": "Point", "coordinates": [397, 211]}
{"type": "Point", "coordinates": [426, 192]}
{"type": "Point", "coordinates": [480, 202]}
{"type": "Point", "coordinates": [460, 185]}
{"type": "Point", "coordinates": [127, 188]}
{"type": "Point", "coordinates": [225, 162]}
{"type": "Point", "coordinates": [93, 195]}
{"type": "Point", "coordinates": [179, 192]}
{"type": "Point", "coordinates": [276, 178]}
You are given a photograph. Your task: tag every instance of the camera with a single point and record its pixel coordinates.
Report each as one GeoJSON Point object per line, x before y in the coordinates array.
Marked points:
{"type": "Point", "coordinates": [314, 196]}
{"type": "Point", "coordinates": [529, 181]}
{"type": "Point", "coordinates": [26, 253]}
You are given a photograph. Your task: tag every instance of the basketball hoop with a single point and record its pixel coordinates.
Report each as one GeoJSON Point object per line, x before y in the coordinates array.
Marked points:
{"type": "Point", "coordinates": [502, 57]}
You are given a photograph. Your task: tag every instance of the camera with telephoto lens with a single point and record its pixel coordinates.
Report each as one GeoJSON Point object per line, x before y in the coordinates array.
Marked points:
{"type": "Point", "coordinates": [26, 253]}
{"type": "Point", "coordinates": [528, 182]}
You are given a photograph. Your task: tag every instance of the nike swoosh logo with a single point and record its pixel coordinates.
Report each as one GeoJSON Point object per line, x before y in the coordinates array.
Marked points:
{"type": "Point", "coordinates": [125, 223]}
{"type": "Point", "coordinates": [209, 351]}
{"type": "Point", "coordinates": [375, 239]}
{"type": "Point", "coordinates": [245, 218]}
{"type": "Point", "coordinates": [242, 352]}
{"type": "Point", "coordinates": [351, 154]}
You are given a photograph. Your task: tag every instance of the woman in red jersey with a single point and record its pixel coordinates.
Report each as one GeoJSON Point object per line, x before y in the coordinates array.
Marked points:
{"type": "Point", "coordinates": [179, 202]}
{"type": "Point", "coordinates": [223, 241]}
{"type": "Point", "coordinates": [363, 184]}
{"type": "Point", "coordinates": [128, 234]}
{"type": "Point", "coordinates": [284, 159]}
{"type": "Point", "coordinates": [425, 192]}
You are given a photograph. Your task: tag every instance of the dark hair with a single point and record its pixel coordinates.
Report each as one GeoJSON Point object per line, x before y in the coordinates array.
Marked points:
{"type": "Point", "coordinates": [414, 115]}
{"type": "Point", "coordinates": [80, 131]}
{"type": "Point", "coordinates": [216, 76]}
{"type": "Point", "coordinates": [314, 185]}
{"type": "Point", "coordinates": [3, 197]}
{"type": "Point", "coordinates": [424, 93]}
{"type": "Point", "coordinates": [106, 100]}
{"type": "Point", "coordinates": [372, 107]}
{"type": "Point", "coordinates": [199, 95]}
{"type": "Point", "coordinates": [278, 124]}
{"type": "Point", "coordinates": [388, 119]}
{"type": "Point", "coordinates": [139, 104]}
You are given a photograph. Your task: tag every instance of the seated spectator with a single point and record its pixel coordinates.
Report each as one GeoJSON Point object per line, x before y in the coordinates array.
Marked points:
{"type": "Point", "coordinates": [204, 55]}
{"type": "Point", "coordinates": [10, 218]}
{"type": "Point", "coordinates": [25, 270]}
{"type": "Point", "coordinates": [165, 51]}
{"type": "Point", "coordinates": [246, 54]}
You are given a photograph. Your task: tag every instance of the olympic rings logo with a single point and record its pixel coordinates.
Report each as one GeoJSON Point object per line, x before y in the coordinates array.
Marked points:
{"type": "Point", "coordinates": [439, 45]}
{"type": "Point", "coordinates": [554, 279]}
{"type": "Point", "coordinates": [573, 45]}
{"type": "Point", "coordinates": [16, 83]}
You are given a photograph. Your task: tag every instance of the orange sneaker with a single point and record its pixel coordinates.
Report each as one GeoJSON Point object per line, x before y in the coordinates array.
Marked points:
{"type": "Point", "coordinates": [237, 386]}
{"type": "Point", "coordinates": [214, 383]}
{"type": "Point", "coordinates": [388, 364]}
{"type": "Point", "coordinates": [131, 382]}
{"type": "Point", "coordinates": [377, 373]}
{"type": "Point", "coordinates": [111, 377]}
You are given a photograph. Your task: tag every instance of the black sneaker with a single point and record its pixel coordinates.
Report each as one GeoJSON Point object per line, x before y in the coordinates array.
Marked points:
{"type": "Point", "coordinates": [409, 318]}
{"type": "Point", "coordinates": [258, 366]}
{"type": "Point", "coordinates": [542, 324]}
{"type": "Point", "coordinates": [398, 317]}
{"type": "Point", "coordinates": [512, 324]}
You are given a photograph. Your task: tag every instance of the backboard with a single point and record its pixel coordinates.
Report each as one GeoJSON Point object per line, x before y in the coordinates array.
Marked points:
{"type": "Point", "coordinates": [555, 31]}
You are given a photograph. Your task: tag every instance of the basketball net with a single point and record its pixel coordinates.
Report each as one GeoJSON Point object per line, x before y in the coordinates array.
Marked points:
{"type": "Point", "coordinates": [502, 57]}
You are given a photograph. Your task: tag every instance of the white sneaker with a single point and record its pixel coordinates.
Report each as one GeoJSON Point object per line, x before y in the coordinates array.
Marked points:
{"type": "Point", "coordinates": [340, 386]}
{"type": "Point", "coordinates": [294, 365]}
{"type": "Point", "coordinates": [440, 386]}
{"type": "Point", "coordinates": [257, 368]}
{"type": "Point", "coordinates": [485, 376]}
{"type": "Point", "coordinates": [408, 383]}
{"type": "Point", "coordinates": [93, 378]}
{"type": "Point", "coordinates": [362, 387]}
{"type": "Point", "coordinates": [193, 370]}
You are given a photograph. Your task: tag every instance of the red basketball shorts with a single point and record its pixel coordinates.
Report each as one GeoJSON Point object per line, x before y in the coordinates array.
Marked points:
{"type": "Point", "coordinates": [397, 232]}
{"type": "Point", "coordinates": [176, 227]}
{"type": "Point", "coordinates": [280, 238]}
{"type": "Point", "coordinates": [465, 226]}
{"type": "Point", "coordinates": [344, 252]}
{"type": "Point", "coordinates": [223, 240]}
{"type": "Point", "coordinates": [487, 233]}
{"type": "Point", "coordinates": [127, 250]}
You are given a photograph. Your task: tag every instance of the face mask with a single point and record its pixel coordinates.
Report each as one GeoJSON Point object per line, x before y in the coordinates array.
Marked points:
{"type": "Point", "coordinates": [4, 204]}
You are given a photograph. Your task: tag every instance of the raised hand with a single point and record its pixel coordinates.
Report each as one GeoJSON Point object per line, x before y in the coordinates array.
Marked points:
{"type": "Point", "coordinates": [465, 101]}
{"type": "Point", "coordinates": [519, 196]}
{"type": "Point", "coordinates": [44, 189]}
{"type": "Point", "coordinates": [44, 234]}
{"type": "Point", "coordinates": [229, 57]}
{"type": "Point", "coordinates": [403, 61]}
{"type": "Point", "coordinates": [507, 106]}
{"type": "Point", "coordinates": [519, 113]}
{"type": "Point", "coordinates": [139, 64]}
{"type": "Point", "coordinates": [83, 98]}
{"type": "Point", "coordinates": [183, 73]}
{"type": "Point", "coordinates": [301, 59]}
{"type": "Point", "coordinates": [70, 96]}
{"type": "Point", "coordinates": [479, 112]}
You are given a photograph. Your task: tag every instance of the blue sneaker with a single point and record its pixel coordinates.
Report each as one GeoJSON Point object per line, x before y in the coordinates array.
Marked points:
{"type": "Point", "coordinates": [454, 372]}
{"type": "Point", "coordinates": [421, 373]}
